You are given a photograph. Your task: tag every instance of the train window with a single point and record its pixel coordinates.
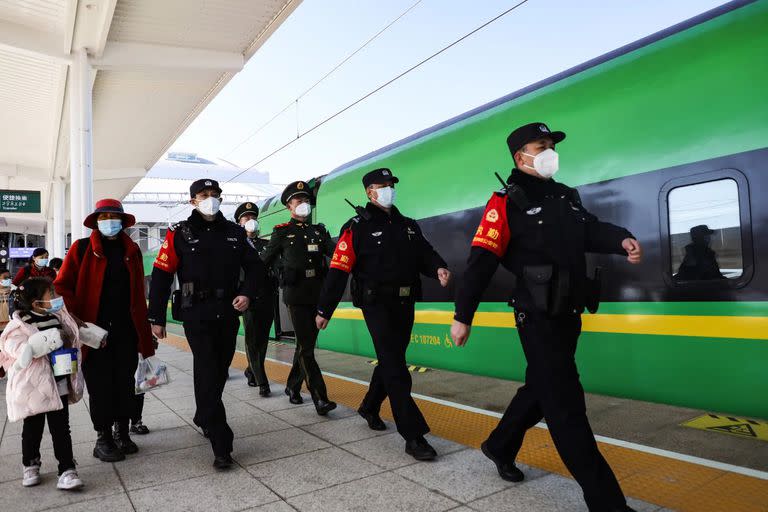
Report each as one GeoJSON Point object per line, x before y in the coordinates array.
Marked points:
{"type": "Point", "coordinates": [705, 231]}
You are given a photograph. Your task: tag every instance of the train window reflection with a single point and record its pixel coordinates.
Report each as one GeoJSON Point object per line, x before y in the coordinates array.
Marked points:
{"type": "Point", "coordinates": [705, 231]}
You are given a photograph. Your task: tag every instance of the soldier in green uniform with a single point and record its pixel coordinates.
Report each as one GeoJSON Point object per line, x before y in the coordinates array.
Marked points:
{"type": "Point", "coordinates": [260, 314]}
{"type": "Point", "coordinates": [303, 248]}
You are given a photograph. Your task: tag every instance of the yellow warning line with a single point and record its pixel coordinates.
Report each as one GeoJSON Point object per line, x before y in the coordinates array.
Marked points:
{"type": "Point", "coordinates": [747, 327]}
{"type": "Point", "coordinates": [664, 481]}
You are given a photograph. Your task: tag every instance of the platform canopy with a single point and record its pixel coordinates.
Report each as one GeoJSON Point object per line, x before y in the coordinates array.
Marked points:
{"type": "Point", "coordinates": [93, 92]}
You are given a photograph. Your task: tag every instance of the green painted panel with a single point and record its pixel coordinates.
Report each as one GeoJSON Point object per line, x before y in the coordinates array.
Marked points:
{"type": "Point", "coordinates": [696, 95]}
{"type": "Point", "coordinates": [148, 261]}
{"type": "Point", "coordinates": [708, 373]}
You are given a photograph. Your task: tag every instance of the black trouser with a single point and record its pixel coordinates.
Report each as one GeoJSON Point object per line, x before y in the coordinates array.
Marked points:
{"type": "Point", "coordinates": [258, 320]}
{"type": "Point", "coordinates": [552, 391]}
{"type": "Point", "coordinates": [305, 365]}
{"type": "Point", "coordinates": [58, 426]}
{"type": "Point", "coordinates": [139, 408]}
{"type": "Point", "coordinates": [110, 374]}
{"type": "Point", "coordinates": [390, 326]}
{"type": "Point", "coordinates": [213, 346]}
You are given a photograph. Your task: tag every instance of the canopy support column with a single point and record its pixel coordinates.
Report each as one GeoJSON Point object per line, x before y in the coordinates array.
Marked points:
{"type": "Point", "coordinates": [80, 142]}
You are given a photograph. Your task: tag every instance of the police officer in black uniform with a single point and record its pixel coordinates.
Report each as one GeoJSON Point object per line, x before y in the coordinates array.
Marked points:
{"type": "Point", "coordinates": [260, 314]}
{"type": "Point", "coordinates": [385, 252]}
{"type": "Point", "coordinates": [538, 229]}
{"type": "Point", "coordinates": [207, 252]}
{"type": "Point", "coordinates": [302, 248]}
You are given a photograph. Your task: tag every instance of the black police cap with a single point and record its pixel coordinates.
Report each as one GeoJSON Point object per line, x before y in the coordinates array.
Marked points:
{"type": "Point", "coordinates": [200, 185]}
{"type": "Point", "coordinates": [246, 208]}
{"type": "Point", "coordinates": [380, 176]}
{"type": "Point", "coordinates": [294, 189]}
{"type": "Point", "coordinates": [530, 132]}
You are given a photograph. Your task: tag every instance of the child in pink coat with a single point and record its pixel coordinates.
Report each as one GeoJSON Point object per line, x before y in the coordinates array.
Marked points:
{"type": "Point", "coordinates": [41, 325]}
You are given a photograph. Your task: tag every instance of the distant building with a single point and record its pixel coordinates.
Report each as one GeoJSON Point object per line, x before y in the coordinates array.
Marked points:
{"type": "Point", "coordinates": [162, 196]}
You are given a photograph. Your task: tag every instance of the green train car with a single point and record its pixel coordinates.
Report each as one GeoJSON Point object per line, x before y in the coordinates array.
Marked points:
{"type": "Point", "coordinates": [664, 134]}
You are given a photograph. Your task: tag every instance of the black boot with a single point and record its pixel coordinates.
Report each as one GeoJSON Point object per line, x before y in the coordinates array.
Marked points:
{"type": "Point", "coordinates": [294, 396]}
{"type": "Point", "coordinates": [323, 407]}
{"type": "Point", "coordinates": [250, 377]}
{"type": "Point", "coordinates": [373, 419]}
{"type": "Point", "coordinates": [123, 438]}
{"type": "Point", "coordinates": [106, 450]}
{"type": "Point", "coordinates": [507, 470]}
{"type": "Point", "coordinates": [264, 390]}
{"type": "Point", "coordinates": [420, 449]}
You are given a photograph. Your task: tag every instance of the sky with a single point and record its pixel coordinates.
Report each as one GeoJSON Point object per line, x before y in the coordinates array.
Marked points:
{"type": "Point", "coordinates": [537, 40]}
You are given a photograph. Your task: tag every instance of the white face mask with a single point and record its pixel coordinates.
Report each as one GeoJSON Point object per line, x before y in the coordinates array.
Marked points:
{"type": "Point", "coordinates": [209, 206]}
{"type": "Point", "coordinates": [385, 196]}
{"type": "Point", "coordinates": [545, 163]}
{"type": "Point", "coordinates": [303, 210]}
{"type": "Point", "coordinates": [251, 225]}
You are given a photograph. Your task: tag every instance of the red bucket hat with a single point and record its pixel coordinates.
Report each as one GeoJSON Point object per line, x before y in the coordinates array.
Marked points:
{"type": "Point", "coordinates": [109, 206]}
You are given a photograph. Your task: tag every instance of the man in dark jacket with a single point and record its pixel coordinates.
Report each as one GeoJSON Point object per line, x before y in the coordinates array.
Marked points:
{"type": "Point", "coordinates": [385, 252]}
{"type": "Point", "coordinates": [539, 230]}
{"type": "Point", "coordinates": [207, 252]}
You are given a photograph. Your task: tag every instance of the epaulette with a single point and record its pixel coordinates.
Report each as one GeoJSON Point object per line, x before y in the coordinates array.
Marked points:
{"type": "Point", "coordinates": [176, 225]}
{"type": "Point", "coordinates": [281, 225]}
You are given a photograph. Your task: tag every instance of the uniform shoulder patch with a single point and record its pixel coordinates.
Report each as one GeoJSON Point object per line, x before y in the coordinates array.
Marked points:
{"type": "Point", "coordinates": [282, 225]}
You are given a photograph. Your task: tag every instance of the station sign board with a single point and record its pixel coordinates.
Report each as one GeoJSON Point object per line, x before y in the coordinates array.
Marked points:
{"type": "Point", "coordinates": [19, 201]}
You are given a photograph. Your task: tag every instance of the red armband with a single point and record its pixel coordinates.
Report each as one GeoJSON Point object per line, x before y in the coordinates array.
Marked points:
{"type": "Point", "coordinates": [493, 233]}
{"type": "Point", "coordinates": [166, 258]}
{"type": "Point", "coordinates": [344, 256]}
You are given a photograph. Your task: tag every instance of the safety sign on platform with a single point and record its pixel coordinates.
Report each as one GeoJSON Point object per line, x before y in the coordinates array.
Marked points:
{"type": "Point", "coordinates": [741, 427]}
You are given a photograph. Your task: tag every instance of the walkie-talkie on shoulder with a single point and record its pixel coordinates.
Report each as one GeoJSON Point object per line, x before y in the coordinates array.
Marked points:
{"type": "Point", "coordinates": [362, 212]}
{"type": "Point", "coordinates": [515, 193]}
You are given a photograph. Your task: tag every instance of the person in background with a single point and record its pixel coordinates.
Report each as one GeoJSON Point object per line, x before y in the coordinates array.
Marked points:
{"type": "Point", "coordinates": [5, 292]}
{"type": "Point", "coordinates": [102, 281]}
{"type": "Point", "coordinates": [260, 314]}
{"type": "Point", "coordinates": [5, 309]}
{"type": "Point", "coordinates": [55, 264]}
{"type": "Point", "coordinates": [37, 266]}
{"type": "Point", "coordinates": [39, 326]}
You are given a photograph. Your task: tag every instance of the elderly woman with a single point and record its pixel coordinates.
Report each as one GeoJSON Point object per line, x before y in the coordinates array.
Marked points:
{"type": "Point", "coordinates": [102, 281]}
{"type": "Point", "coordinates": [37, 266]}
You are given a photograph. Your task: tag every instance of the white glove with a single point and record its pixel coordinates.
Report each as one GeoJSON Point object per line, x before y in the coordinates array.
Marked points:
{"type": "Point", "coordinates": [92, 335]}
{"type": "Point", "coordinates": [45, 342]}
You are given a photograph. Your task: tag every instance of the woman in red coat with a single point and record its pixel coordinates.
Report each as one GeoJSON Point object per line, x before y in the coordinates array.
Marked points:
{"type": "Point", "coordinates": [37, 266]}
{"type": "Point", "coordinates": [102, 281]}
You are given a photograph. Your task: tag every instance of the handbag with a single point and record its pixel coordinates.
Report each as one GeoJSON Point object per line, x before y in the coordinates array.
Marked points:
{"type": "Point", "coordinates": [151, 373]}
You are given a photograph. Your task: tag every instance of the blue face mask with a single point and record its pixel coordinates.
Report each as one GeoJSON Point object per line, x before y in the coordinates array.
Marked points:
{"type": "Point", "coordinates": [41, 262]}
{"type": "Point", "coordinates": [56, 304]}
{"type": "Point", "coordinates": [5, 283]}
{"type": "Point", "coordinates": [110, 227]}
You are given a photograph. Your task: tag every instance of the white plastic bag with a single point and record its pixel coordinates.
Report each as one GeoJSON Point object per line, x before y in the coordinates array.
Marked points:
{"type": "Point", "coordinates": [150, 373]}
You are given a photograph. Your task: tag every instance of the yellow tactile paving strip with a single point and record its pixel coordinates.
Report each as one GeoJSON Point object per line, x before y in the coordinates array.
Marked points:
{"type": "Point", "coordinates": [657, 479]}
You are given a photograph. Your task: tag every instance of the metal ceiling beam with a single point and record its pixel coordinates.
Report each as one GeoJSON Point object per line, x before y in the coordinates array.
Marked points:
{"type": "Point", "coordinates": [119, 174]}
{"type": "Point", "coordinates": [138, 56]}
{"type": "Point", "coordinates": [34, 43]}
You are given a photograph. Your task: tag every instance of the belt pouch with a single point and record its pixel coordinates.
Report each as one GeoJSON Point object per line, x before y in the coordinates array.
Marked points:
{"type": "Point", "coordinates": [538, 279]}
